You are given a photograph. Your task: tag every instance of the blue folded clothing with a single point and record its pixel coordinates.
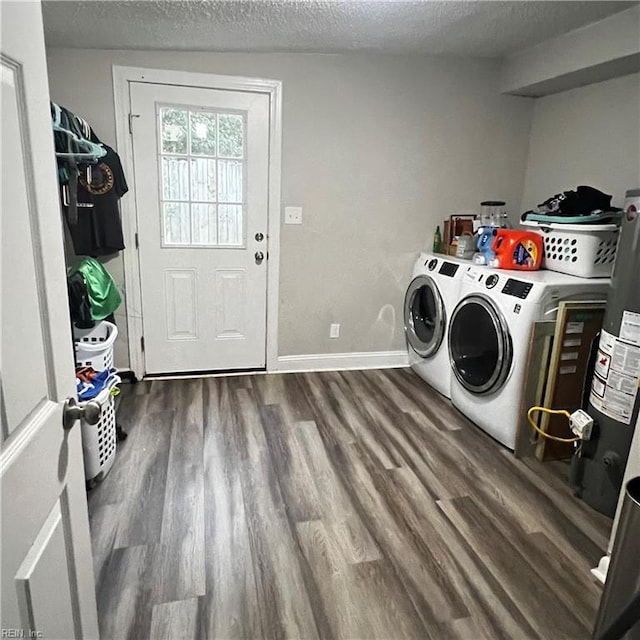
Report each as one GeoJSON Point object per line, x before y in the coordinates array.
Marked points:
{"type": "Point", "coordinates": [90, 389]}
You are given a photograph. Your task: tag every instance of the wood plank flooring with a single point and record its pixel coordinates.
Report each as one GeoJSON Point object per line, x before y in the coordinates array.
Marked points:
{"type": "Point", "coordinates": [352, 504]}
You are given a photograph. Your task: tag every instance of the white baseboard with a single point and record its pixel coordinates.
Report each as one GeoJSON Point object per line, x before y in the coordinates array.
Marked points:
{"type": "Point", "coordinates": [317, 362]}
{"type": "Point", "coordinates": [600, 572]}
{"type": "Point", "coordinates": [342, 361]}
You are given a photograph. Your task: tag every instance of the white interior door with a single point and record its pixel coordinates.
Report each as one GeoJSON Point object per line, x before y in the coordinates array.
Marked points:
{"type": "Point", "coordinates": [46, 571]}
{"type": "Point", "coordinates": [201, 160]}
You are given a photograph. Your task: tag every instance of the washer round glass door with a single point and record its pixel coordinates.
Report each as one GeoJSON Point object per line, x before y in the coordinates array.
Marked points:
{"type": "Point", "coordinates": [424, 316]}
{"type": "Point", "coordinates": [480, 348]}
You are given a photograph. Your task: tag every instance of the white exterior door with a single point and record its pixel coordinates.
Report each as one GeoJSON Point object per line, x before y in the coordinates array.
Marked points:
{"type": "Point", "coordinates": [46, 571]}
{"type": "Point", "coordinates": [201, 159]}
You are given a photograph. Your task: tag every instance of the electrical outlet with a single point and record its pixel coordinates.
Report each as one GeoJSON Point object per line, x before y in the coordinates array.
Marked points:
{"type": "Point", "coordinates": [334, 331]}
{"type": "Point", "coordinates": [581, 424]}
{"type": "Point", "coordinates": [293, 215]}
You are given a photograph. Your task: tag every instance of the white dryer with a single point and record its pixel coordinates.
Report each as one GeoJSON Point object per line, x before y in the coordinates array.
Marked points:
{"type": "Point", "coordinates": [489, 335]}
{"type": "Point", "coordinates": [428, 303]}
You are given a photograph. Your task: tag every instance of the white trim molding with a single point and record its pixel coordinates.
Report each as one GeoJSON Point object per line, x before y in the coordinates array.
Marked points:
{"type": "Point", "coordinates": [343, 361]}
{"type": "Point", "coordinates": [600, 572]}
{"type": "Point", "coordinates": [122, 77]}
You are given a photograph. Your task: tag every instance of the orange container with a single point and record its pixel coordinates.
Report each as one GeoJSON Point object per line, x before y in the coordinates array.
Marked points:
{"type": "Point", "coordinates": [517, 249]}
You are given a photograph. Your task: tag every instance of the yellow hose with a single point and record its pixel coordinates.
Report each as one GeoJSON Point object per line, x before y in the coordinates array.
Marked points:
{"type": "Point", "coordinates": [540, 431]}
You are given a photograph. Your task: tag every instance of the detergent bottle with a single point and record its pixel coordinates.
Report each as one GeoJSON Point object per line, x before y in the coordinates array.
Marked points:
{"type": "Point", "coordinates": [515, 249]}
{"type": "Point", "coordinates": [485, 253]}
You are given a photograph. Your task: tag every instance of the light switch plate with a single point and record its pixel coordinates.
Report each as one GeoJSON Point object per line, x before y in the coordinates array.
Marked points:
{"type": "Point", "coordinates": [293, 215]}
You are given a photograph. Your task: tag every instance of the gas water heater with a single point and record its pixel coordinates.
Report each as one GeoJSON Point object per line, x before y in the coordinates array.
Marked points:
{"type": "Point", "coordinates": [613, 399]}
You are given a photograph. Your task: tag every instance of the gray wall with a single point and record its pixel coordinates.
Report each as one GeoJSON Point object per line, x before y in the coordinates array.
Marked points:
{"type": "Point", "coordinates": [589, 135]}
{"type": "Point", "coordinates": [378, 149]}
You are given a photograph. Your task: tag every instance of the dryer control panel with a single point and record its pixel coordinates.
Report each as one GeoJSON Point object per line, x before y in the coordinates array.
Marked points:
{"type": "Point", "coordinates": [448, 269]}
{"type": "Point", "coordinates": [431, 264]}
{"type": "Point", "coordinates": [517, 288]}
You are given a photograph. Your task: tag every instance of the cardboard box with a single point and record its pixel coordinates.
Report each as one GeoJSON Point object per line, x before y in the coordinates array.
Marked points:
{"type": "Point", "coordinates": [461, 225]}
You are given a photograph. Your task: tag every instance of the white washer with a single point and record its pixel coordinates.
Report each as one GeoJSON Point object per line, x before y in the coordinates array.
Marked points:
{"type": "Point", "coordinates": [489, 334]}
{"type": "Point", "coordinates": [428, 303]}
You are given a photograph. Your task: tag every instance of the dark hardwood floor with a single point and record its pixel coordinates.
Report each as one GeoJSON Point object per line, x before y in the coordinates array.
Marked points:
{"type": "Point", "coordinates": [332, 505]}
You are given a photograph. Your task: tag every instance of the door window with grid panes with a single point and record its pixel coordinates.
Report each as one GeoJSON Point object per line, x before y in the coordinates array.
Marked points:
{"type": "Point", "coordinates": [203, 176]}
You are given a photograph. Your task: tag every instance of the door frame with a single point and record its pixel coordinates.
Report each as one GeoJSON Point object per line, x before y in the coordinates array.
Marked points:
{"type": "Point", "coordinates": [122, 77]}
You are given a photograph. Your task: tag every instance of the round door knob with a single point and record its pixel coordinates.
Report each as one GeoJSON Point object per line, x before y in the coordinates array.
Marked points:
{"type": "Point", "coordinates": [91, 412]}
{"type": "Point", "coordinates": [72, 411]}
{"type": "Point", "coordinates": [259, 256]}
{"type": "Point", "coordinates": [259, 236]}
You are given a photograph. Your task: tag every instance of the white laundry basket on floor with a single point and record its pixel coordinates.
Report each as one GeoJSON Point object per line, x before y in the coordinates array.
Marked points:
{"type": "Point", "coordinates": [94, 347]}
{"type": "Point", "coordinates": [99, 440]}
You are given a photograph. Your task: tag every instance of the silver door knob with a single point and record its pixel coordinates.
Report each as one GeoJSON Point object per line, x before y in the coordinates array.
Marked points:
{"type": "Point", "coordinates": [259, 236]}
{"type": "Point", "coordinates": [259, 256]}
{"type": "Point", "coordinates": [72, 411]}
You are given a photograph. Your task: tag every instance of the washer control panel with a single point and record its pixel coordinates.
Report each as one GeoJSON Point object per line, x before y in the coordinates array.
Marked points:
{"type": "Point", "coordinates": [432, 264]}
{"type": "Point", "coordinates": [517, 288]}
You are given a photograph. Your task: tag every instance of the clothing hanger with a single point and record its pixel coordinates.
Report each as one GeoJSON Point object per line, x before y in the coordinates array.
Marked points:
{"type": "Point", "coordinates": [79, 147]}
{"type": "Point", "coordinates": [67, 201]}
{"type": "Point", "coordinates": [87, 150]}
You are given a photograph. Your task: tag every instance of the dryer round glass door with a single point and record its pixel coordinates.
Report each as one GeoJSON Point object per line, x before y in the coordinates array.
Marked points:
{"type": "Point", "coordinates": [424, 316]}
{"type": "Point", "coordinates": [480, 348]}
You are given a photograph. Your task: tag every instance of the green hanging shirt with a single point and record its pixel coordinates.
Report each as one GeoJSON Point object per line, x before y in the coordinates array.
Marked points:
{"type": "Point", "coordinates": [104, 297]}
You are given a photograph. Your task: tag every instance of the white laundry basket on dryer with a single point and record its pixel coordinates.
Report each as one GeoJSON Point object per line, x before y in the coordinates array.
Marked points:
{"type": "Point", "coordinates": [583, 250]}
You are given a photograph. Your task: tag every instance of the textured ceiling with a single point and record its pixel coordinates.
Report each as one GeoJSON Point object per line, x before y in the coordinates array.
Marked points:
{"type": "Point", "coordinates": [491, 29]}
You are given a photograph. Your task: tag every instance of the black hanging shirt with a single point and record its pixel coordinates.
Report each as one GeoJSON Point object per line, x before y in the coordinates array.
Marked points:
{"type": "Point", "coordinates": [98, 231]}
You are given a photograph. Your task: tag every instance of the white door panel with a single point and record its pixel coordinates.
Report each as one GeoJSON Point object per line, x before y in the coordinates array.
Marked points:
{"type": "Point", "coordinates": [181, 304]}
{"type": "Point", "coordinates": [201, 167]}
{"type": "Point", "coordinates": [46, 568]}
{"type": "Point", "coordinates": [19, 256]}
{"type": "Point", "coordinates": [43, 591]}
{"type": "Point", "coordinates": [230, 292]}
